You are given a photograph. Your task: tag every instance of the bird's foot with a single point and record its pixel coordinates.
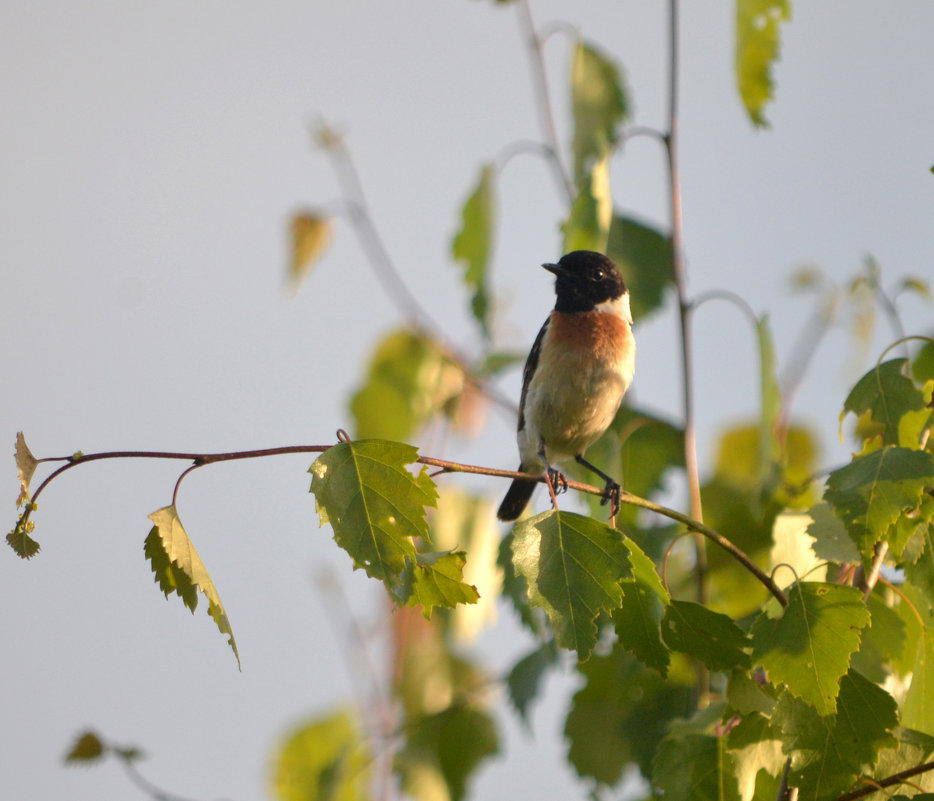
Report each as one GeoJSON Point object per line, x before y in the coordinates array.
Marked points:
{"type": "Point", "coordinates": [558, 480]}
{"type": "Point", "coordinates": [611, 495]}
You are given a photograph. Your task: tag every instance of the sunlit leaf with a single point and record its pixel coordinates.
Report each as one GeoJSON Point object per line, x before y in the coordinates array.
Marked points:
{"type": "Point", "coordinates": [449, 746]}
{"type": "Point", "coordinates": [758, 41]}
{"type": "Point", "coordinates": [87, 748]}
{"type": "Point", "coordinates": [914, 748]}
{"type": "Point", "coordinates": [374, 504]}
{"type": "Point", "coordinates": [918, 707]}
{"type": "Point", "coordinates": [888, 402]}
{"type": "Point", "coordinates": [436, 579]}
{"type": "Point", "coordinates": [573, 566]}
{"type": "Point", "coordinates": [473, 244]}
{"type": "Point", "coordinates": [325, 758]}
{"type": "Point", "coordinates": [872, 492]}
{"type": "Point", "coordinates": [311, 234]}
{"type": "Point", "coordinates": [25, 466]}
{"type": "Point", "coordinates": [19, 540]}
{"type": "Point", "coordinates": [598, 105]}
{"type": "Point", "coordinates": [755, 750]}
{"type": "Point", "coordinates": [748, 694]}
{"type": "Point", "coordinates": [884, 642]}
{"type": "Point", "coordinates": [831, 540]}
{"type": "Point", "coordinates": [808, 646]}
{"type": "Point", "coordinates": [712, 638]}
{"type": "Point", "coordinates": [409, 379]}
{"type": "Point", "coordinates": [465, 522]}
{"type": "Point", "coordinates": [178, 568]}
{"type": "Point", "coordinates": [643, 255]}
{"type": "Point", "coordinates": [792, 555]}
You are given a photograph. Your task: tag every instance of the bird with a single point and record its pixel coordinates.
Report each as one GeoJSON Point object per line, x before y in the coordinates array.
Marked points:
{"type": "Point", "coordinates": [576, 374]}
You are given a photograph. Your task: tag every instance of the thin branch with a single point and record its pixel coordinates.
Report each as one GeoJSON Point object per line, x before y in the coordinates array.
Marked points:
{"type": "Point", "coordinates": [543, 93]}
{"type": "Point", "coordinates": [889, 781]}
{"type": "Point", "coordinates": [445, 466]}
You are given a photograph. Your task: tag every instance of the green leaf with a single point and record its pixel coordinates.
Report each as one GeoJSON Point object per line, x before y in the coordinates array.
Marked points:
{"type": "Point", "coordinates": [410, 378]}
{"type": "Point", "coordinates": [831, 540]}
{"type": "Point", "coordinates": [179, 569]}
{"type": "Point", "coordinates": [87, 748]}
{"type": "Point", "coordinates": [473, 244]}
{"type": "Point", "coordinates": [620, 716]}
{"type": "Point", "coordinates": [922, 367]}
{"type": "Point", "coordinates": [643, 255]}
{"type": "Point", "coordinates": [771, 402]}
{"type": "Point", "coordinates": [828, 753]}
{"type": "Point", "coordinates": [573, 565]}
{"type": "Point", "coordinates": [525, 678]}
{"type": "Point", "coordinates": [598, 105]}
{"type": "Point", "coordinates": [638, 621]}
{"type": "Point", "coordinates": [808, 647]}
{"type": "Point", "coordinates": [888, 404]}
{"type": "Point", "coordinates": [436, 579]}
{"type": "Point", "coordinates": [872, 492]}
{"type": "Point", "coordinates": [918, 707]}
{"type": "Point", "coordinates": [516, 589]}
{"type": "Point", "coordinates": [375, 506]}
{"type": "Point", "coordinates": [755, 749]}
{"type": "Point", "coordinates": [26, 466]}
{"type": "Point", "coordinates": [746, 694]}
{"type": "Point", "coordinates": [451, 745]}
{"type": "Point", "coordinates": [311, 235]}
{"type": "Point", "coordinates": [695, 767]}
{"type": "Point", "coordinates": [914, 748]}
{"type": "Point", "coordinates": [712, 638]}
{"type": "Point", "coordinates": [19, 540]}
{"type": "Point", "coordinates": [920, 571]}
{"type": "Point", "coordinates": [884, 642]}
{"type": "Point", "coordinates": [588, 224]}
{"type": "Point", "coordinates": [757, 46]}
{"type": "Point", "coordinates": [324, 758]}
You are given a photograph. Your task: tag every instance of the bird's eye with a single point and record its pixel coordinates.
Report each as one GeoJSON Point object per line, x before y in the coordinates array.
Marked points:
{"type": "Point", "coordinates": [599, 275]}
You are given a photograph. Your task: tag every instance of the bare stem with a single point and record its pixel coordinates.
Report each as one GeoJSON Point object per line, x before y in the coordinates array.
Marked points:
{"type": "Point", "coordinates": [543, 93]}
{"type": "Point", "coordinates": [889, 781]}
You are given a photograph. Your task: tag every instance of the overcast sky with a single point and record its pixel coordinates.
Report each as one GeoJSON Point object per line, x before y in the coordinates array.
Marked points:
{"type": "Point", "coordinates": [151, 156]}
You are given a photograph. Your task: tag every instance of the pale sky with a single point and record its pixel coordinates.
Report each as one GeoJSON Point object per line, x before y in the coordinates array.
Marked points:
{"type": "Point", "coordinates": [152, 154]}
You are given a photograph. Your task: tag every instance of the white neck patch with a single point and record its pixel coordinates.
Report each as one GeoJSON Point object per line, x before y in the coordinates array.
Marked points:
{"type": "Point", "coordinates": [618, 306]}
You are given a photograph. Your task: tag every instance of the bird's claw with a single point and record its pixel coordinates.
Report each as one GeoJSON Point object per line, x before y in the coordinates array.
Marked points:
{"type": "Point", "coordinates": [611, 494]}
{"type": "Point", "coordinates": [559, 481]}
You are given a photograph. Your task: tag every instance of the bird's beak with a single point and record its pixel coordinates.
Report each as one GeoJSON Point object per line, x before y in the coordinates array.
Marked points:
{"type": "Point", "coordinates": [557, 269]}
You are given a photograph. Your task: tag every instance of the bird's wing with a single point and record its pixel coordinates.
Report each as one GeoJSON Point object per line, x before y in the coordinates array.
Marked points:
{"type": "Point", "coordinates": [530, 364]}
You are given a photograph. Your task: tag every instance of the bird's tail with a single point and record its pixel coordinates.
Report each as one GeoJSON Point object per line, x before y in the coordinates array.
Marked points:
{"type": "Point", "coordinates": [517, 498]}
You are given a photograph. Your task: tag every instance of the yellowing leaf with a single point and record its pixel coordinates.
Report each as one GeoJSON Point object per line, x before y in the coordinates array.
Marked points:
{"type": "Point", "coordinates": [758, 42]}
{"type": "Point", "coordinates": [311, 234]}
{"type": "Point", "coordinates": [436, 579]}
{"type": "Point", "coordinates": [588, 224]}
{"type": "Point", "coordinates": [409, 379]}
{"type": "Point", "coordinates": [179, 569]}
{"type": "Point", "coordinates": [326, 759]}
{"type": "Point", "coordinates": [25, 466]}
{"type": "Point", "coordinates": [88, 747]}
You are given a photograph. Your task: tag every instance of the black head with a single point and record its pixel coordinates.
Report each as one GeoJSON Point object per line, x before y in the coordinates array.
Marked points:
{"type": "Point", "coordinates": [584, 280]}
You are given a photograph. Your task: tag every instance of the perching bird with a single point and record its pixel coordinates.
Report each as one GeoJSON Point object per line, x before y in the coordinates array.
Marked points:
{"type": "Point", "coordinates": [576, 374]}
